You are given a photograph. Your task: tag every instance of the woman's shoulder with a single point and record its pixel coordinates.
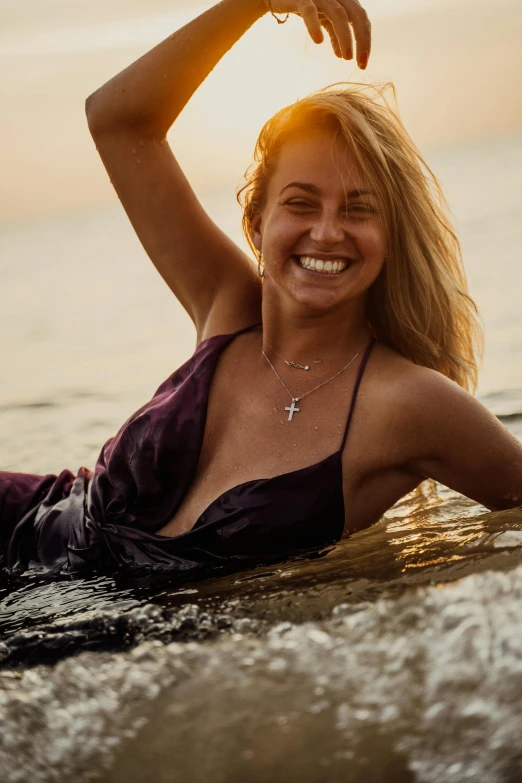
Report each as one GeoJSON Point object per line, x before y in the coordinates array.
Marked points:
{"type": "Point", "coordinates": [408, 390]}
{"type": "Point", "coordinates": [238, 314]}
{"type": "Point", "coordinates": [408, 411]}
{"type": "Point", "coordinates": [404, 374]}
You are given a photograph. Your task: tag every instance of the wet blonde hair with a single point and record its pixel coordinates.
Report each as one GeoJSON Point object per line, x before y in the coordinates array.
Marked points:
{"type": "Point", "coordinates": [419, 305]}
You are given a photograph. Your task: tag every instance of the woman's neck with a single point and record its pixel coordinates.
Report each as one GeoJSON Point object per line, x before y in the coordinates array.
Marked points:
{"type": "Point", "coordinates": [307, 338]}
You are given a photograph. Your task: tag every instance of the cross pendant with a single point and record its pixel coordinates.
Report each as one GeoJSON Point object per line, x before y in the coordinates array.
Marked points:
{"type": "Point", "coordinates": [292, 409]}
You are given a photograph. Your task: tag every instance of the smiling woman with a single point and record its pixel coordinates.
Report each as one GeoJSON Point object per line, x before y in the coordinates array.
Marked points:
{"type": "Point", "coordinates": [358, 326]}
{"type": "Point", "coordinates": [370, 169]}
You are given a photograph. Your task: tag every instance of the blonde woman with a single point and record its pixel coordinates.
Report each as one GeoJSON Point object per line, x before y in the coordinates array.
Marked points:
{"type": "Point", "coordinates": [330, 377]}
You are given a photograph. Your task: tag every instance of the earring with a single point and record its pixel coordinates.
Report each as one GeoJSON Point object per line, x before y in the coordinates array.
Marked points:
{"type": "Point", "coordinates": [260, 265]}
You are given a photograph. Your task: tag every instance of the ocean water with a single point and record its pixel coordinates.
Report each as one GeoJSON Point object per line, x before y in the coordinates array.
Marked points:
{"type": "Point", "coordinates": [394, 656]}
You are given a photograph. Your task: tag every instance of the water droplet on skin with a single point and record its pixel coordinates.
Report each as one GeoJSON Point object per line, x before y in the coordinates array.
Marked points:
{"type": "Point", "coordinates": [138, 160]}
{"type": "Point", "coordinates": [248, 426]}
{"type": "Point", "coordinates": [134, 150]}
{"type": "Point", "coordinates": [316, 428]}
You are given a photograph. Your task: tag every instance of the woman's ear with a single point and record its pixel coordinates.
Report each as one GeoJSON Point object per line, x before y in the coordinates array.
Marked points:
{"type": "Point", "coordinates": [255, 232]}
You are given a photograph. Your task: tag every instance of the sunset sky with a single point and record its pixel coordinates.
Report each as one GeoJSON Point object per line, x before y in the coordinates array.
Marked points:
{"type": "Point", "coordinates": [456, 65]}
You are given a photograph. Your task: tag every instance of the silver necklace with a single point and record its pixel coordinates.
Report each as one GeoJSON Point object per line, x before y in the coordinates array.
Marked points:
{"type": "Point", "coordinates": [292, 364]}
{"type": "Point", "coordinates": [292, 408]}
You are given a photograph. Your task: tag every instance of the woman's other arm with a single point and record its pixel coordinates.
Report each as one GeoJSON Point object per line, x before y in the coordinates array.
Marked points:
{"type": "Point", "coordinates": [463, 446]}
{"type": "Point", "coordinates": [129, 118]}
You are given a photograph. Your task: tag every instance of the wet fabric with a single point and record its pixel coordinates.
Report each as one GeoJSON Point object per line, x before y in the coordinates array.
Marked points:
{"type": "Point", "coordinates": [111, 516]}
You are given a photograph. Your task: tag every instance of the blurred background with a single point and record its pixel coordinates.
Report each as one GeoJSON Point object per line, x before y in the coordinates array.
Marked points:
{"type": "Point", "coordinates": [88, 330]}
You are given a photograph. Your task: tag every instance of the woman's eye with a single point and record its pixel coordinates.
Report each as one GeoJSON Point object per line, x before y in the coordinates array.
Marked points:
{"type": "Point", "coordinates": [354, 210]}
{"type": "Point", "coordinates": [361, 209]}
{"type": "Point", "coordinates": [298, 203]}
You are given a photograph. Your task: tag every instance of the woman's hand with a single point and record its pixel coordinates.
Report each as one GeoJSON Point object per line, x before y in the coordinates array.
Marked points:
{"type": "Point", "coordinates": [340, 18]}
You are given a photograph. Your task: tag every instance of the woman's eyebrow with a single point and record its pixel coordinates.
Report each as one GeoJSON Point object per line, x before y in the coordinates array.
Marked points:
{"type": "Point", "coordinates": [317, 191]}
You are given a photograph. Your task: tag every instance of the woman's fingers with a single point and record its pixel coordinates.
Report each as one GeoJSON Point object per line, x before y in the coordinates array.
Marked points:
{"type": "Point", "coordinates": [340, 21]}
{"type": "Point", "coordinates": [310, 15]}
{"type": "Point", "coordinates": [339, 18]}
{"type": "Point", "coordinates": [362, 30]}
{"type": "Point", "coordinates": [331, 33]}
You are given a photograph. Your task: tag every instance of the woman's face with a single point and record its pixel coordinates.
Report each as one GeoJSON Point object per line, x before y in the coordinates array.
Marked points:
{"type": "Point", "coordinates": [320, 212]}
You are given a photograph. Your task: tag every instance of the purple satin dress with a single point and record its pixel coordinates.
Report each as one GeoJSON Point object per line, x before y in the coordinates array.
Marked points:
{"type": "Point", "coordinates": [111, 517]}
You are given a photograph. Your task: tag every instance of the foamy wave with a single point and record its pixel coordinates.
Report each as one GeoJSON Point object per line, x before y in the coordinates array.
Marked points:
{"type": "Point", "coordinates": [426, 687]}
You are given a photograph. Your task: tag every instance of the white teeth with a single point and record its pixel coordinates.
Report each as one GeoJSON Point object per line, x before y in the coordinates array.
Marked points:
{"type": "Point", "coordinates": [329, 267]}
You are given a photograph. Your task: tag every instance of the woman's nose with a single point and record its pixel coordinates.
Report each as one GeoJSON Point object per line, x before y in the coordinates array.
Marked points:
{"type": "Point", "coordinates": [327, 230]}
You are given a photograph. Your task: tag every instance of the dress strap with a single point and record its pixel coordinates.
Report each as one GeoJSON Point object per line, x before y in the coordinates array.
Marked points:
{"type": "Point", "coordinates": [360, 373]}
{"type": "Point", "coordinates": [232, 335]}
{"type": "Point", "coordinates": [248, 328]}
{"type": "Point", "coordinates": [228, 336]}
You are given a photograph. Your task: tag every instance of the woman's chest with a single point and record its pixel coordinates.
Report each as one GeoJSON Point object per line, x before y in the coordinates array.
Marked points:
{"type": "Point", "coordinates": [248, 436]}
{"type": "Point", "coordinates": [252, 438]}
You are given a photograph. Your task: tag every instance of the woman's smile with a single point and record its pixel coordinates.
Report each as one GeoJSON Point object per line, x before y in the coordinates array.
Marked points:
{"type": "Point", "coordinates": [322, 265]}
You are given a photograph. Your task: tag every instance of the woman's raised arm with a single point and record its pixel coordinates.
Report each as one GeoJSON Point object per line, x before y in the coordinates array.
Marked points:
{"type": "Point", "coordinates": [129, 118]}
